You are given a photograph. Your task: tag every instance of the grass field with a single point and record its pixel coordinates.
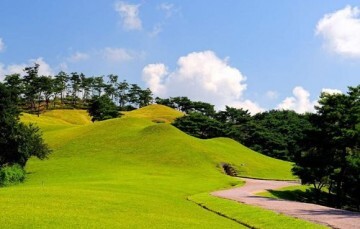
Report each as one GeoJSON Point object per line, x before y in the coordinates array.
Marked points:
{"type": "Point", "coordinates": [128, 172]}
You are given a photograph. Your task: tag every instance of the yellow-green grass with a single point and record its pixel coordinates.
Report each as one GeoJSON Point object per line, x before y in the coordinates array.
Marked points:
{"type": "Point", "coordinates": [289, 193]}
{"type": "Point", "coordinates": [156, 113]}
{"type": "Point", "coordinates": [250, 216]}
{"type": "Point", "coordinates": [128, 172]}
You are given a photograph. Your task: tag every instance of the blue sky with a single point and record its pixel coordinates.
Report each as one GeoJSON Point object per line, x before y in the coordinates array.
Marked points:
{"type": "Point", "coordinates": [253, 54]}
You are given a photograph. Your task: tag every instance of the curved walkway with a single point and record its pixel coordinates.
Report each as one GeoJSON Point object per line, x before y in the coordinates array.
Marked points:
{"type": "Point", "coordinates": [332, 217]}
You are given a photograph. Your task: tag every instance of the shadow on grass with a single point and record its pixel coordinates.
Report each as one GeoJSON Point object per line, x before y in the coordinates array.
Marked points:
{"type": "Point", "coordinates": [310, 195]}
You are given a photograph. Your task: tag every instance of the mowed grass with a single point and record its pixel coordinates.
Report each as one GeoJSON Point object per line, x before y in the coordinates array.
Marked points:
{"type": "Point", "coordinates": [128, 172]}
{"type": "Point", "coordinates": [288, 193]}
{"type": "Point", "coordinates": [250, 216]}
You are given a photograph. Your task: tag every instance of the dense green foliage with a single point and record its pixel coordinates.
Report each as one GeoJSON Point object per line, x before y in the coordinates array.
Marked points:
{"type": "Point", "coordinates": [102, 108]}
{"type": "Point", "coordinates": [274, 133]}
{"type": "Point", "coordinates": [18, 142]}
{"type": "Point", "coordinates": [330, 155]}
{"type": "Point", "coordinates": [199, 125]}
{"type": "Point", "coordinates": [38, 93]}
{"type": "Point", "coordinates": [11, 174]}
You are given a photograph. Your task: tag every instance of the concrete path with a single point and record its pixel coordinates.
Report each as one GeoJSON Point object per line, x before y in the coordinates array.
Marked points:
{"type": "Point", "coordinates": [332, 217]}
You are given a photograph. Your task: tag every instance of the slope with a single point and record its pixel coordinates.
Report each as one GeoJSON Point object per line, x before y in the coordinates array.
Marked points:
{"type": "Point", "coordinates": [129, 172]}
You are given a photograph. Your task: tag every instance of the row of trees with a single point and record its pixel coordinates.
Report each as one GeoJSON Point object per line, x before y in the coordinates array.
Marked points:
{"type": "Point", "coordinates": [273, 133]}
{"type": "Point", "coordinates": [325, 146]}
{"type": "Point", "coordinates": [63, 90]}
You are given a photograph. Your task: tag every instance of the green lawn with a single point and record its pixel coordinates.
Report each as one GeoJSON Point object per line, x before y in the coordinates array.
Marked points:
{"type": "Point", "coordinates": [250, 216]}
{"type": "Point", "coordinates": [296, 192]}
{"type": "Point", "coordinates": [128, 172]}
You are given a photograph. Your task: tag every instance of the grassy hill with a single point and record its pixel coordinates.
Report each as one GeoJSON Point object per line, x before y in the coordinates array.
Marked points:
{"type": "Point", "coordinates": [130, 172]}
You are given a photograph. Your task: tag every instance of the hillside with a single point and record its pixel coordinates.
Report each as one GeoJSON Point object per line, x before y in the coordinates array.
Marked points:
{"type": "Point", "coordinates": [126, 172]}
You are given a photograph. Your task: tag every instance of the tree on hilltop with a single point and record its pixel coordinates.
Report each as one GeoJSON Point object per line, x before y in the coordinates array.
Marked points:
{"type": "Point", "coordinates": [102, 108]}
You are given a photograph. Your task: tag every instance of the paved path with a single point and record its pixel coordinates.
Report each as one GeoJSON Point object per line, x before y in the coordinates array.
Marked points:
{"type": "Point", "coordinates": [324, 215]}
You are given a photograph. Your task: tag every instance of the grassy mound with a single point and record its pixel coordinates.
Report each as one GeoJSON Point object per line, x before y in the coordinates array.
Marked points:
{"type": "Point", "coordinates": [128, 172]}
{"type": "Point", "coordinates": [156, 113]}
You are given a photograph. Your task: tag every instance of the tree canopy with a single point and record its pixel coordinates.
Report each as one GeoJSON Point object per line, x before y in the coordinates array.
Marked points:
{"type": "Point", "coordinates": [102, 108]}
{"type": "Point", "coordinates": [331, 148]}
{"type": "Point", "coordinates": [18, 142]}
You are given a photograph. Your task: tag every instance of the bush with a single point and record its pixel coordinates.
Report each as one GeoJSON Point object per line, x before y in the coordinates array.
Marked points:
{"type": "Point", "coordinates": [11, 175]}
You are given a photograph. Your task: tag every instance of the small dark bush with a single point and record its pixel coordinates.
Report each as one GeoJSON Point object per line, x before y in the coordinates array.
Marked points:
{"type": "Point", "coordinates": [11, 175]}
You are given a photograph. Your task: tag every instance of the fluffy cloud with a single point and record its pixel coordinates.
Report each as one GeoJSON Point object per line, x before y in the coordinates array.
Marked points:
{"type": "Point", "coordinates": [300, 102]}
{"type": "Point", "coordinates": [77, 57]}
{"type": "Point", "coordinates": [249, 105]}
{"type": "Point", "coordinates": [130, 15]}
{"type": "Point", "coordinates": [341, 31]}
{"type": "Point", "coordinates": [200, 76]}
{"type": "Point", "coordinates": [2, 45]}
{"type": "Point", "coordinates": [117, 54]}
{"type": "Point", "coordinates": [272, 95]}
{"type": "Point", "coordinates": [331, 91]}
{"type": "Point", "coordinates": [44, 68]}
{"type": "Point", "coordinates": [153, 75]}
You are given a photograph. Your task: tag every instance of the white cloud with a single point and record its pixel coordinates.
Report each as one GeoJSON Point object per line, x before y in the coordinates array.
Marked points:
{"type": "Point", "coordinates": [77, 57]}
{"type": "Point", "coordinates": [2, 45]}
{"type": "Point", "coordinates": [156, 30]}
{"type": "Point", "coordinates": [201, 76]}
{"type": "Point", "coordinates": [44, 68]}
{"type": "Point", "coordinates": [249, 105]}
{"type": "Point", "coordinates": [63, 67]}
{"type": "Point", "coordinates": [130, 15]}
{"type": "Point", "coordinates": [117, 54]}
{"type": "Point", "coordinates": [300, 102]}
{"type": "Point", "coordinates": [272, 95]}
{"type": "Point", "coordinates": [153, 75]}
{"type": "Point", "coordinates": [341, 31]}
{"type": "Point", "coordinates": [331, 91]}
{"type": "Point", "coordinates": [168, 8]}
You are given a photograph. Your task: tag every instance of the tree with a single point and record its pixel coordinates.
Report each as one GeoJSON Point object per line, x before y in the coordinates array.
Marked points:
{"type": "Point", "coordinates": [86, 84]}
{"type": "Point", "coordinates": [15, 85]}
{"type": "Point", "coordinates": [60, 82]}
{"type": "Point", "coordinates": [122, 94]}
{"type": "Point", "coordinates": [31, 89]}
{"type": "Point", "coordinates": [46, 85]}
{"type": "Point", "coordinates": [199, 125]}
{"type": "Point", "coordinates": [236, 123]}
{"type": "Point", "coordinates": [75, 80]}
{"type": "Point", "coordinates": [102, 108]}
{"type": "Point", "coordinates": [110, 88]}
{"type": "Point", "coordinates": [134, 95]}
{"type": "Point", "coordinates": [145, 97]}
{"type": "Point", "coordinates": [276, 133]}
{"type": "Point", "coordinates": [334, 140]}
{"type": "Point", "coordinates": [18, 142]}
{"type": "Point", "coordinates": [98, 85]}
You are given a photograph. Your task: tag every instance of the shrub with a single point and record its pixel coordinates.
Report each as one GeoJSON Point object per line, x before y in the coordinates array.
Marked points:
{"type": "Point", "coordinates": [11, 175]}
